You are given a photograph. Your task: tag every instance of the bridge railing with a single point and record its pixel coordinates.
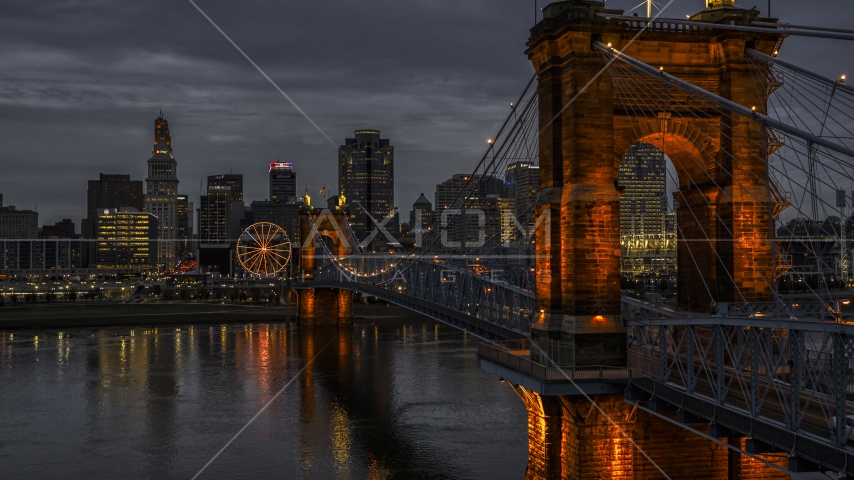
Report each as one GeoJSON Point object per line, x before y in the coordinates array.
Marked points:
{"type": "Point", "coordinates": [515, 354]}
{"type": "Point", "coordinates": [463, 289]}
{"type": "Point", "coordinates": [784, 309]}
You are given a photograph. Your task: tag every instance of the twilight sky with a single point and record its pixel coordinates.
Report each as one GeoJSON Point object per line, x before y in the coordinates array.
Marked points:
{"type": "Point", "coordinates": [82, 81]}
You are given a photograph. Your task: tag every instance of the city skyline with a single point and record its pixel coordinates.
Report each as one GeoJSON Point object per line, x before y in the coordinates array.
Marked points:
{"type": "Point", "coordinates": [71, 86]}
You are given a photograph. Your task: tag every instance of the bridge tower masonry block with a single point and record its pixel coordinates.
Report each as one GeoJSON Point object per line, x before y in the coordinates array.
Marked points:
{"type": "Point", "coordinates": [725, 247]}
{"type": "Point", "coordinates": [322, 232]}
{"type": "Point", "coordinates": [568, 438]}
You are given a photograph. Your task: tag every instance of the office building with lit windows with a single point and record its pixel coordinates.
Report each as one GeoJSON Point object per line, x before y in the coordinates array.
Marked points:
{"type": "Point", "coordinates": [215, 215]}
{"type": "Point", "coordinates": [110, 191]}
{"type": "Point", "coordinates": [219, 226]}
{"type": "Point", "coordinates": [522, 185]}
{"type": "Point", "coordinates": [647, 247]}
{"type": "Point", "coordinates": [366, 179]}
{"type": "Point", "coordinates": [126, 239]}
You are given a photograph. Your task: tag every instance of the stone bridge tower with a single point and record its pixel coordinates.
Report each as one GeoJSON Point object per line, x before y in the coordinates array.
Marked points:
{"type": "Point", "coordinates": [322, 230]}
{"type": "Point", "coordinates": [724, 253]}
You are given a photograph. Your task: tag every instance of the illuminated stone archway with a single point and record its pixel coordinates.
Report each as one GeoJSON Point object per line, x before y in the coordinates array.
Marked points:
{"type": "Point", "coordinates": [323, 306]}
{"type": "Point", "coordinates": [586, 129]}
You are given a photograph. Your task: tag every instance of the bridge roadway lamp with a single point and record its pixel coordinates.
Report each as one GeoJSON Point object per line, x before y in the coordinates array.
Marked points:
{"type": "Point", "coordinates": [264, 249]}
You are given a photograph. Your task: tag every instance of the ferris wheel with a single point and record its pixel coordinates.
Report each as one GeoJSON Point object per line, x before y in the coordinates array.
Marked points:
{"type": "Point", "coordinates": [264, 249]}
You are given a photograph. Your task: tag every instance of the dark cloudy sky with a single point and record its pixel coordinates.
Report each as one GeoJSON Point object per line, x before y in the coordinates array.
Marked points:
{"type": "Point", "coordinates": [82, 81]}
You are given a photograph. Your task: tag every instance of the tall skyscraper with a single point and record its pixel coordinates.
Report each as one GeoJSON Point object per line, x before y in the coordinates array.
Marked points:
{"type": "Point", "coordinates": [283, 182]}
{"type": "Point", "coordinates": [233, 180]}
{"type": "Point", "coordinates": [643, 203]}
{"type": "Point", "coordinates": [217, 229]}
{"type": "Point", "coordinates": [366, 179]}
{"type": "Point", "coordinates": [522, 184]}
{"type": "Point", "coordinates": [161, 197]}
{"type": "Point", "coordinates": [643, 210]}
{"type": "Point", "coordinates": [184, 225]}
{"type": "Point", "coordinates": [110, 191]}
{"type": "Point", "coordinates": [215, 215]}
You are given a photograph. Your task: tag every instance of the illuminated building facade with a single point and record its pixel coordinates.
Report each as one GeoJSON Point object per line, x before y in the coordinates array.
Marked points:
{"type": "Point", "coordinates": [366, 179]}
{"type": "Point", "coordinates": [127, 238]}
{"type": "Point", "coordinates": [647, 245]}
{"type": "Point", "coordinates": [161, 199]}
{"type": "Point", "coordinates": [522, 184]}
{"type": "Point", "coordinates": [521, 189]}
{"type": "Point", "coordinates": [283, 182]}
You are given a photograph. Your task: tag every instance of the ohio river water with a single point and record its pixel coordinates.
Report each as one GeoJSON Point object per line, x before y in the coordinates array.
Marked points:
{"type": "Point", "coordinates": [388, 398]}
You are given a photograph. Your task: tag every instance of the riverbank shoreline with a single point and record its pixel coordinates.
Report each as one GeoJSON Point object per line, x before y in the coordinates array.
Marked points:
{"type": "Point", "coordinates": [102, 314]}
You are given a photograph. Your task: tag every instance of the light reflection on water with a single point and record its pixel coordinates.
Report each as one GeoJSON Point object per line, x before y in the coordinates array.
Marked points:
{"type": "Point", "coordinates": [390, 398]}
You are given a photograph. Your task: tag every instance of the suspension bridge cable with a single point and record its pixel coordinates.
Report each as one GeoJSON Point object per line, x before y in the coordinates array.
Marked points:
{"type": "Point", "coordinates": [736, 159]}
{"type": "Point", "coordinates": [713, 98]}
{"type": "Point", "coordinates": [771, 214]}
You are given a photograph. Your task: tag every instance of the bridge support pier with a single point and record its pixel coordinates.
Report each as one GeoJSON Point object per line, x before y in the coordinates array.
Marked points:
{"type": "Point", "coordinates": [568, 438]}
{"type": "Point", "coordinates": [325, 306]}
